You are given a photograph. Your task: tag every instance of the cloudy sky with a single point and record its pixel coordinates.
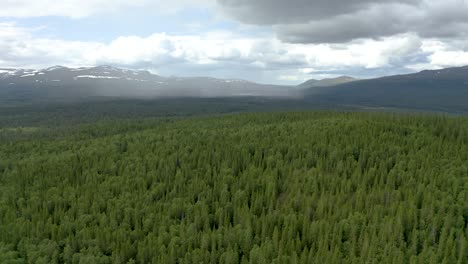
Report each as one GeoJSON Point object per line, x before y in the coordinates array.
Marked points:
{"type": "Point", "coordinates": [268, 41]}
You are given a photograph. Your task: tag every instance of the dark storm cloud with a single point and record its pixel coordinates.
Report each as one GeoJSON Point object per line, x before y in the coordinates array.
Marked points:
{"type": "Point", "coordinates": [294, 11]}
{"type": "Point", "coordinates": [344, 27]}
{"type": "Point", "coordinates": [337, 21]}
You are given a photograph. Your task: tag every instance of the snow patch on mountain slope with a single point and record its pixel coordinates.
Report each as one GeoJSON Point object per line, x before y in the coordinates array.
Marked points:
{"type": "Point", "coordinates": [28, 75]}
{"type": "Point", "coordinates": [55, 68]}
{"type": "Point", "coordinates": [96, 77]}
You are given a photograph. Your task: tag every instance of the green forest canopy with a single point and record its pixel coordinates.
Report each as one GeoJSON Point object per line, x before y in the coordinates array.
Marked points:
{"type": "Point", "coordinates": [248, 188]}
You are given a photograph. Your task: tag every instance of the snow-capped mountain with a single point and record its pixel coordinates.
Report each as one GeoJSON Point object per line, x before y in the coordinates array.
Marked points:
{"type": "Point", "coordinates": [60, 82]}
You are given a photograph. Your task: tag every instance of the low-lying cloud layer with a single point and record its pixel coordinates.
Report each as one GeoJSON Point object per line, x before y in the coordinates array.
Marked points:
{"type": "Point", "coordinates": [299, 39]}
{"type": "Point", "coordinates": [225, 54]}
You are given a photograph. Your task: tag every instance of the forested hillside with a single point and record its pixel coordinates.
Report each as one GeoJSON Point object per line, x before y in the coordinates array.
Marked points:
{"type": "Point", "coordinates": [444, 90]}
{"type": "Point", "coordinates": [247, 188]}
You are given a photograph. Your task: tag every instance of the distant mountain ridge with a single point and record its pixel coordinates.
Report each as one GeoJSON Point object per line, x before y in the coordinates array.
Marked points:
{"type": "Point", "coordinates": [62, 83]}
{"type": "Point", "coordinates": [443, 90]}
{"type": "Point", "coordinates": [326, 82]}
{"type": "Point", "coordinates": [439, 90]}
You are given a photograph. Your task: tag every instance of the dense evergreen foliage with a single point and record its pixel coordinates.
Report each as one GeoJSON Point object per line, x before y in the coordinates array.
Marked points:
{"type": "Point", "coordinates": [60, 114]}
{"type": "Point", "coordinates": [249, 188]}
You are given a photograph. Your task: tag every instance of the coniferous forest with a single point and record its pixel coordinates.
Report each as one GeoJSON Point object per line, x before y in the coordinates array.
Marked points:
{"type": "Point", "coordinates": [314, 187]}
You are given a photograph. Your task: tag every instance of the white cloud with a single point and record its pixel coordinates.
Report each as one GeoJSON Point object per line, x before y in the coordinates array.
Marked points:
{"type": "Point", "coordinates": [441, 54]}
{"type": "Point", "coordinates": [224, 54]}
{"type": "Point", "coordinates": [83, 8]}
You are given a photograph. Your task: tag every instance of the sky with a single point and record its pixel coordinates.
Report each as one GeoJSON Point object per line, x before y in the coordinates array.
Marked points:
{"type": "Point", "coordinates": [266, 41]}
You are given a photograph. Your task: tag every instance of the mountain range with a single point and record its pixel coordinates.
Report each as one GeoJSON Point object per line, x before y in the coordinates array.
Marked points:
{"type": "Point", "coordinates": [443, 90]}
{"type": "Point", "coordinates": [60, 83]}
{"type": "Point", "coordinates": [435, 90]}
